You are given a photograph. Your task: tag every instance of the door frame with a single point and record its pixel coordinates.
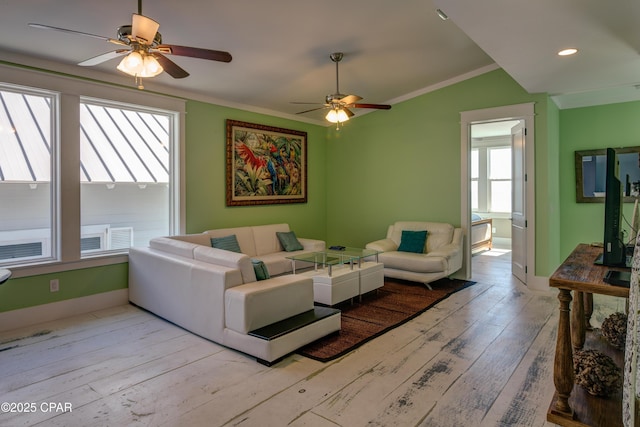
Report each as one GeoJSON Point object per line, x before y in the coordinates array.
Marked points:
{"type": "Point", "coordinates": [509, 112]}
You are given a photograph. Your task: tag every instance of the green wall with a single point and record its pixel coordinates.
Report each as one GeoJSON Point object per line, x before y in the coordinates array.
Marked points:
{"type": "Point", "coordinates": [404, 164]}
{"type": "Point", "coordinates": [206, 175]}
{"type": "Point", "coordinates": [34, 290]}
{"type": "Point", "coordinates": [385, 166]}
{"type": "Point", "coordinates": [613, 125]}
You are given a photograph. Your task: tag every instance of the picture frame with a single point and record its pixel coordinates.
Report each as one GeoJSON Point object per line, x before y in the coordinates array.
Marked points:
{"type": "Point", "coordinates": [265, 165]}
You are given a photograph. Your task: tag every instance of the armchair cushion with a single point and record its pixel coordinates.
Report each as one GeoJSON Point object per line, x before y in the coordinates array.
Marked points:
{"type": "Point", "coordinates": [413, 241]}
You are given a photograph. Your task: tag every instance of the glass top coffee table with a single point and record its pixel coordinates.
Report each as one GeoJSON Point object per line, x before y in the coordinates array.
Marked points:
{"type": "Point", "coordinates": [330, 257]}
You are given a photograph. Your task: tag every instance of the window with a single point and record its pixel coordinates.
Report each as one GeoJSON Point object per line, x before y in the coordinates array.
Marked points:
{"type": "Point", "coordinates": [27, 154]}
{"type": "Point", "coordinates": [124, 174]}
{"type": "Point", "coordinates": [500, 179]}
{"type": "Point", "coordinates": [491, 179]}
{"type": "Point", "coordinates": [125, 145]}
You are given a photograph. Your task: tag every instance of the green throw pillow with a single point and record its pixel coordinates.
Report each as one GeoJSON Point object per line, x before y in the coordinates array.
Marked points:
{"type": "Point", "coordinates": [413, 241]}
{"type": "Point", "coordinates": [228, 243]}
{"type": "Point", "coordinates": [289, 241]}
{"type": "Point", "coordinates": [261, 269]}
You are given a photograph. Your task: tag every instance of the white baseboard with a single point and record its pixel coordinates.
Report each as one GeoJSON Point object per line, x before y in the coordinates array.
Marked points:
{"type": "Point", "coordinates": [22, 317]}
{"type": "Point", "coordinates": [538, 283]}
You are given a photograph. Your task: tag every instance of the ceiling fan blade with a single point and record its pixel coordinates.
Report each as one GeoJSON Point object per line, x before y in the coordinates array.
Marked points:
{"type": "Point", "coordinates": [350, 99]}
{"type": "Point", "coordinates": [170, 67]}
{"type": "Point", "coordinates": [195, 52]}
{"type": "Point", "coordinates": [74, 32]}
{"type": "Point", "coordinates": [349, 112]}
{"type": "Point", "coordinates": [103, 57]}
{"type": "Point", "coordinates": [313, 109]}
{"type": "Point", "coordinates": [308, 103]}
{"type": "Point", "coordinates": [375, 106]}
{"type": "Point", "coordinates": [143, 28]}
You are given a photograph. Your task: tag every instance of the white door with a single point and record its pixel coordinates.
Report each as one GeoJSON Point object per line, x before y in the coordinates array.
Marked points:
{"type": "Point", "coordinates": [518, 208]}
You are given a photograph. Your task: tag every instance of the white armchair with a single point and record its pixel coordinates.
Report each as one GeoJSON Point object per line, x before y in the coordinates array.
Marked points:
{"type": "Point", "coordinates": [440, 257]}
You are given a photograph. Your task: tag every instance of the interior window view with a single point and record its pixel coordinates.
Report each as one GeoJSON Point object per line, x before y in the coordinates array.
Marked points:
{"type": "Point", "coordinates": [340, 214]}
{"type": "Point", "coordinates": [490, 184]}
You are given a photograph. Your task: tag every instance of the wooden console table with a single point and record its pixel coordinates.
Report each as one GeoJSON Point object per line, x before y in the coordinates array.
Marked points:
{"type": "Point", "coordinates": [579, 274]}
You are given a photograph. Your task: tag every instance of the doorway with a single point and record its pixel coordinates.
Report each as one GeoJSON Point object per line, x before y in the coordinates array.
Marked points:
{"type": "Point", "coordinates": [519, 220]}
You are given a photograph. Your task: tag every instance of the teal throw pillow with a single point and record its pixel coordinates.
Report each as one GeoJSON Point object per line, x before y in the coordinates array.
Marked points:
{"type": "Point", "coordinates": [413, 241]}
{"type": "Point", "coordinates": [260, 269]}
{"type": "Point", "coordinates": [289, 241]}
{"type": "Point", "coordinates": [228, 243]}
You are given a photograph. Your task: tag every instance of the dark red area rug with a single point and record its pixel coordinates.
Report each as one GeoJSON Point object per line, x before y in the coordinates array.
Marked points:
{"type": "Point", "coordinates": [380, 311]}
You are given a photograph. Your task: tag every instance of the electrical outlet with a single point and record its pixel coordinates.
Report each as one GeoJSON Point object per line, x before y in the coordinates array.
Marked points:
{"type": "Point", "coordinates": [54, 285]}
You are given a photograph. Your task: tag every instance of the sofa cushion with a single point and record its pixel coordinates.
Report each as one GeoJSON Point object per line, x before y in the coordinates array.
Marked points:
{"type": "Point", "coordinates": [413, 241]}
{"type": "Point", "coordinates": [198, 238]}
{"type": "Point", "coordinates": [254, 305]}
{"type": "Point", "coordinates": [289, 241]}
{"type": "Point", "coordinates": [244, 235]}
{"type": "Point", "coordinates": [227, 243]}
{"type": "Point", "coordinates": [276, 263]}
{"type": "Point", "coordinates": [419, 263]}
{"type": "Point", "coordinates": [227, 259]}
{"type": "Point", "coordinates": [266, 241]}
{"type": "Point", "coordinates": [259, 267]}
{"type": "Point", "coordinates": [173, 246]}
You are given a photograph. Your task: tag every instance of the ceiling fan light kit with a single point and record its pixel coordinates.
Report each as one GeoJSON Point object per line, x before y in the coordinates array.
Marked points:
{"type": "Point", "coordinates": [337, 115]}
{"type": "Point", "coordinates": [145, 53]}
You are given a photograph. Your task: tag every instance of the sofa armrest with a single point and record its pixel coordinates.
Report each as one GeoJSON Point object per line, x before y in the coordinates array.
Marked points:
{"type": "Point", "coordinates": [254, 305]}
{"type": "Point", "coordinates": [452, 249]}
{"type": "Point", "coordinates": [446, 251]}
{"type": "Point", "coordinates": [312, 244]}
{"type": "Point", "coordinates": [383, 245]}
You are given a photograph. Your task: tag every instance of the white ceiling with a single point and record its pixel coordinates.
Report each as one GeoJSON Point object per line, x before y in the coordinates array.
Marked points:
{"type": "Point", "coordinates": [393, 50]}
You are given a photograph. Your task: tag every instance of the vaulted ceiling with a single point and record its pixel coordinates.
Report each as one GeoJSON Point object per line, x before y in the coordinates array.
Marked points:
{"type": "Point", "coordinates": [393, 50]}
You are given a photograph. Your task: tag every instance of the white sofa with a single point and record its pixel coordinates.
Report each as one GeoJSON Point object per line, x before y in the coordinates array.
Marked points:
{"type": "Point", "coordinates": [442, 254]}
{"type": "Point", "coordinates": [214, 293]}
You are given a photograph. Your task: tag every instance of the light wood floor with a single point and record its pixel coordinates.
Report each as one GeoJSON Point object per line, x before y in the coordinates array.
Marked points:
{"type": "Point", "coordinates": [483, 357]}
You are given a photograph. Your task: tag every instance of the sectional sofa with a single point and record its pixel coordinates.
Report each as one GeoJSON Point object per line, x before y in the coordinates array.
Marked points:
{"type": "Point", "coordinates": [215, 293]}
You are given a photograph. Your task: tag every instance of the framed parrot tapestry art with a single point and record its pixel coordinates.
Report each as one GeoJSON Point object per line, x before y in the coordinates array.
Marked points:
{"type": "Point", "coordinates": [265, 165]}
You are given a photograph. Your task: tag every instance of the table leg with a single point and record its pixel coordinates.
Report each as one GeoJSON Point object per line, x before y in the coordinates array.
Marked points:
{"type": "Point", "coordinates": [588, 310]}
{"type": "Point", "coordinates": [563, 375]}
{"type": "Point", "coordinates": [578, 331]}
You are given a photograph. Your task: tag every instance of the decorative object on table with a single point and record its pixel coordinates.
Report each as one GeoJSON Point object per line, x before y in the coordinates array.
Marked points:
{"type": "Point", "coordinates": [614, 329]}
{"type": "Point", "coordinates": [265, 165]}
{"type": "Point", "coordinates": [596, 372]}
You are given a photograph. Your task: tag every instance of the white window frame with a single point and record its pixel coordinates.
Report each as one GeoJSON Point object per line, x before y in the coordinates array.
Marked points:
{"type": "Point", "coordinates": [66, 225]}
{"type": "Point", "coordinates": [484, 187]}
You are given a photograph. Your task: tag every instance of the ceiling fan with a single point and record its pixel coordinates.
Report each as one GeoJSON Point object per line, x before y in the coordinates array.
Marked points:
{"type": "Point", "coordinates": [145, 53]}
{"type": "Point", "coordinates": [339, 104]}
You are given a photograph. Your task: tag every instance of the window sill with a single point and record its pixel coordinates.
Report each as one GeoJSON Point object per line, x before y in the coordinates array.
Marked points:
{"type": "Point", "coordinates": [56, 267]}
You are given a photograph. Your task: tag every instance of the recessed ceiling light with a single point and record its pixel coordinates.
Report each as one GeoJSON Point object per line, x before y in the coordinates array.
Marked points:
{"type": "Point", "coordinates": [442, 15]}
{"type": "Point", "coordinates": [567, 52]}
